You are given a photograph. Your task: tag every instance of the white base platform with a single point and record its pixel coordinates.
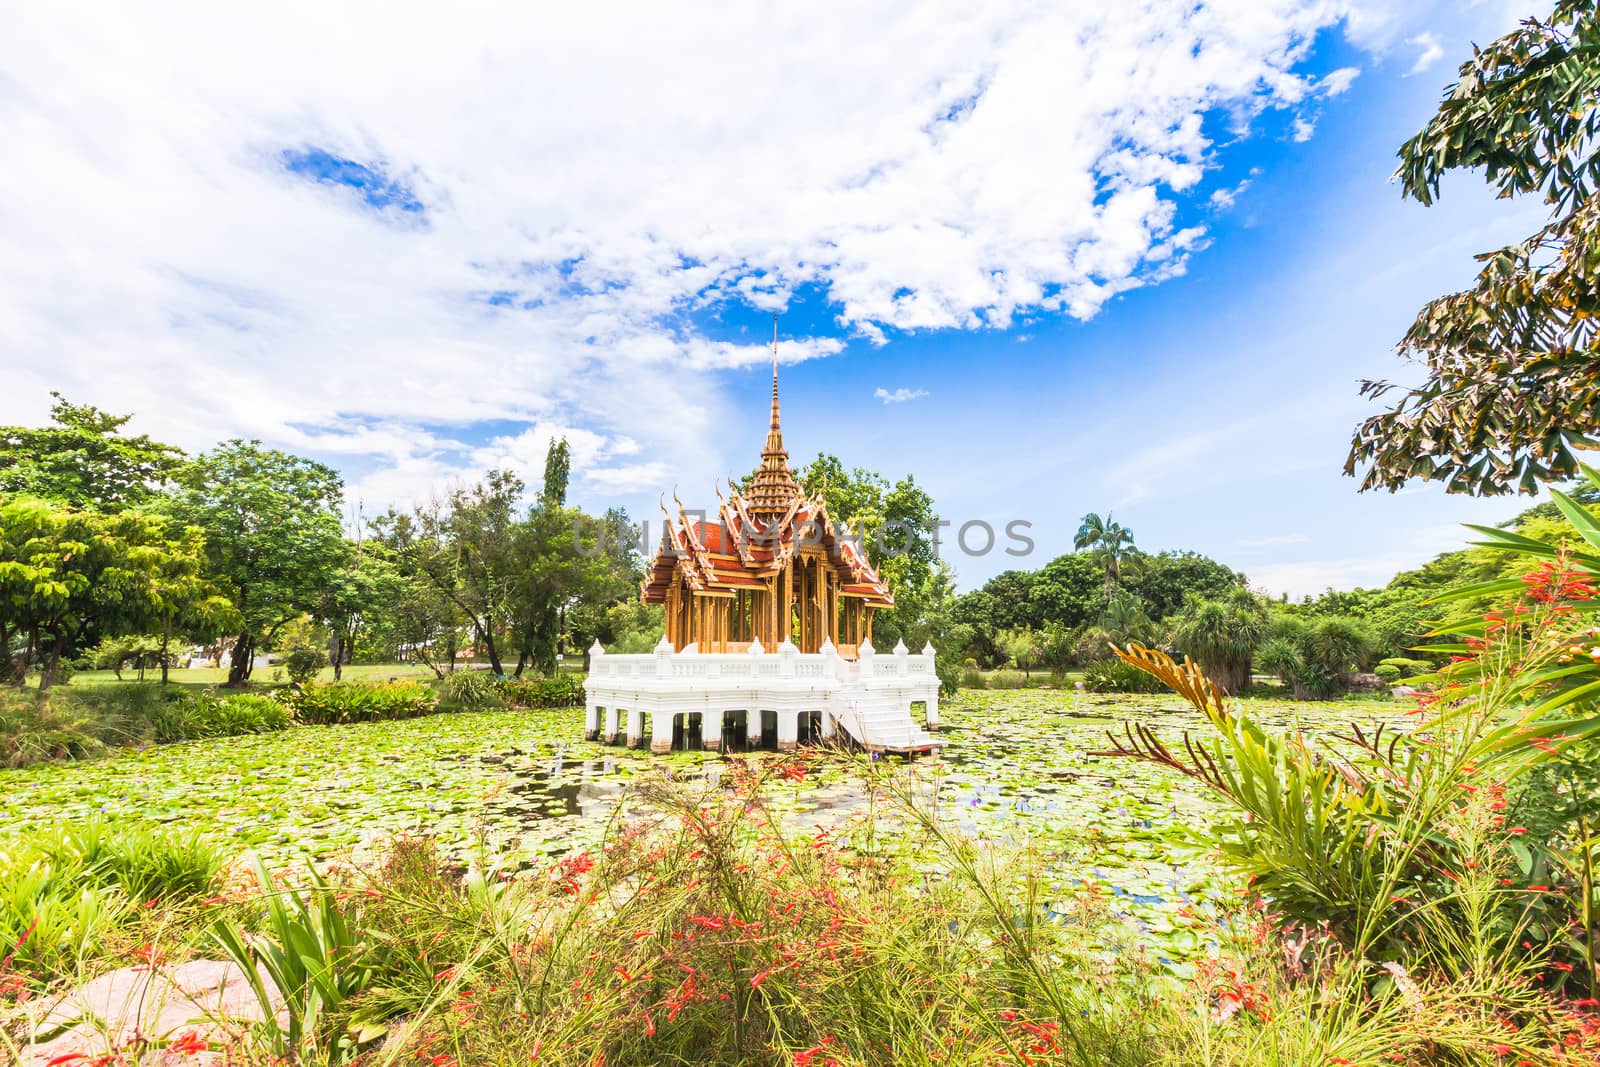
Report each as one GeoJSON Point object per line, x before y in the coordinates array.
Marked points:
{"type": "Point", "coordinates": [870, 700]}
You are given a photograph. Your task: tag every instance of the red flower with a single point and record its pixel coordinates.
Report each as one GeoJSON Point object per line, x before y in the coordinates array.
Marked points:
{"type": "Point", "coordinates": [189, 1043]}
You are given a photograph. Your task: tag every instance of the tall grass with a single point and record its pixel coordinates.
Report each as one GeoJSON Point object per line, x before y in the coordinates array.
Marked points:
{"type": "Point", "coordinates": [78, 723]}
{"type": "Point", "coordinates": [65, 891]}
{"type": "Point", "coordinates": [704, 933]}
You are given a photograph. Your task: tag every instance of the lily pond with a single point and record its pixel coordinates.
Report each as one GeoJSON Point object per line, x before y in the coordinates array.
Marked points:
{"type": "Point", "coordinates": [1016, 770]}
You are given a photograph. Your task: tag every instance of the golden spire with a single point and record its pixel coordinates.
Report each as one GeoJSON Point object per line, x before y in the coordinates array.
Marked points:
{"type": "Point", "coordinates": [774, 372]}
{"type": "Point", "coordinates": [773, 489]}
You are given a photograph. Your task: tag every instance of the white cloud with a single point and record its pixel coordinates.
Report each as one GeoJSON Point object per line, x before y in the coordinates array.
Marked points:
{"type": "Point", "coordinates": [898, 396]}
{"type": "Point", "coordinates": [1339, 81]}
{"type": "Point", "coordinates": [585, 193]}
{"type": "Point", "coordinates": [1430, 52]}
{"type": "Point", "coordinates": [1224, 199]}
{"type": "Point", "coordinates": [1303, 128]}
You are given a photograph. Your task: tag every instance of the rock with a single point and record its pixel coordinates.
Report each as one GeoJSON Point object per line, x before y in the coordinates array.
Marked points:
{"type": "Point", "coordinates": [1367, 683]}
{"type": "Point", "coordinates": [203, 1000]}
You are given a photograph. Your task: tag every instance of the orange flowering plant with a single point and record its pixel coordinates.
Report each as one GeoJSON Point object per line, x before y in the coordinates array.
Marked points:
{"type": "Point", "coordinates": [1349, 830]}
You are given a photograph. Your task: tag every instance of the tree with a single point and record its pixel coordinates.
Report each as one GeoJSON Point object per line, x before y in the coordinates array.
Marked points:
{"type": "Point", "coordinates": [1020, 648]}
{"type": "Point", "coordinates": [465, 547]}
{"type": "Point", "coordinates": [1067, 590]}
{"type": "Point", "coordinates": [181, 600]}
{"type": "Point", "coordinates": [272, 535]}
{"type": "Point", "coordinates": [366, 586]}
{"type": "Point", "coordinates": [1107, 542]}
{"type": "Point", "coordinates": [1513, 382]}
{"type": "Point", "coordinates": [1222, 636]}
{"type": "Point", "coordinates": [66, 574]}
{"type": "Point", "coordinates": [1165, 580]}
{"type": "Point", "coordinates": [1315, 657]}
{"type": "Point", "coordinates": [566, 558]}
{"type": "Point", "coordinates": [896, 526]}
{"type": "Point", "coordinates": [83, 460]}
{"type": "Point", "coordinates": [1125, 618]}
{"type": "Point", "coordinates": [557, 472]}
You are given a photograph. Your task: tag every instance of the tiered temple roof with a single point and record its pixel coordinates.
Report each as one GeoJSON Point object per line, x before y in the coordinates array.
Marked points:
{"type": "Point", "coordinates": [755, 550]}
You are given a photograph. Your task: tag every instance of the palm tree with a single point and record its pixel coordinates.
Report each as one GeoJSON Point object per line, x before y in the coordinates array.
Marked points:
{"type": "Point", "coordinates": [1222, 635]}
{"type": "Point", "coordinates": [1126, 617]}
{"type": "Point", "coordinates": [1109, 541]}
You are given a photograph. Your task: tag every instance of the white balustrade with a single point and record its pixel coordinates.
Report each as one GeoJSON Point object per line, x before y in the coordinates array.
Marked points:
{"type": "Point", "coordinates": [870, 698]}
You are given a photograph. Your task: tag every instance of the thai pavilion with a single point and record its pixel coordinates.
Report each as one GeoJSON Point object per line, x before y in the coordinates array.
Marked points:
{"type": "Point", "coordinates": [768, 638]}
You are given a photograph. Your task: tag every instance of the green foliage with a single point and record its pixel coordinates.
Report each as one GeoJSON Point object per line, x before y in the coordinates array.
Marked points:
{"type": "Point", "coordinates": [313, 955]}
{"type": "Point", "coordinates": [65, 890]}
{"type": "Point", "coordinates": [1381, 844]}
{"type": "Point", "coordinates": [1092, 644]}
{"type": "Point", "coordinates": [469, 690]}
{"type": "Point", "coordinates": [1068, 593]}
{"type": "Point", "coordinates": [33, 730]}
{"type": "Point", "coordinates": [1115, 676]}
{"type": "Point", "coordinates": [632, 627]}
{"type": "Point", "coordinates": [1222, 635]}
{"type": "Point", "coordinates": [1513, 365]}
{"type": "Point", "coordinates": [1387, 673]}
{"type": "Point", "coordinates": [302, 664]}
{"type": "Point", "coordinates": [1018, 647]}
{"type": "Point", "coordinates": [215, 714]}
{"type": "Point", "coordinates": [1315, 657]}
{"type": "Point", "coordinates": [1165, 581]}
{"type": "Point", "coordinates": [81, 723]}
{"type": "Point", "coordinates": [273, 536]}
{"type": "Point", "coordinates": [1125, 618]}
{"type": "Point", "coordinates": [143, 863]}
{"type": "Point", "coordinates": [1107, 542]}
{"type": "Point", "coordinates": [65, 572]}
{"type": "Point", "coordinates": [342, 702]}
{"type": "Point", "coordinates": [557, 473]}
{"type": "Point", "coordinates": [1406, 668]}
{"type": "Point", "coordinates": [83, 461]}
{"type": "Point", "coordinates": [897, 527]}
{"type": "Point", "coordinates": [556, 691]}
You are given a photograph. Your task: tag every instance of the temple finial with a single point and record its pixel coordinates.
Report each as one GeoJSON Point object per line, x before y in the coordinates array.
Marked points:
{"type": "Point", "coordinates": [774, 370]}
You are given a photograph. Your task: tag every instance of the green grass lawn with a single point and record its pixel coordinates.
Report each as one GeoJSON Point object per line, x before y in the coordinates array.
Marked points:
{"type": "Point", "coordinates": [199, 677]}
{"type": "Point", "coordinates": [203, 676]}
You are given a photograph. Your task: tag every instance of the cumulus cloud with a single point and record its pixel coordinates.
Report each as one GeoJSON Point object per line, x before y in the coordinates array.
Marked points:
{"type": "Point", "coordinates": [898, 396]}
{"type": "Point", "coordinates": [387, 235]}
{"type": "Point", "coordinates": [1430, 51]}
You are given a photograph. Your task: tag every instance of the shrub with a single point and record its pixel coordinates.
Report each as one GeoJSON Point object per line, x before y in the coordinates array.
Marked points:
{"type": "Point", "coordinates": [1115, 676]}
{"type": "Point", "coordinates": [302, 664]}
{"type": "Point", "coordinates": [1406, 668]}
{"type": "Point", "coordinates": [216, 715]}
{"type": "Point", "coordinates": [470, 690]}
{"type": "Point", "coordinates": [342, 702]}
{"type": "Point", "coordinates": [1387, 673]}
{"type": "Point", "coordinates": [971, 678]}
{"type": "Point", "coordinates": [557, 691]}
{"type": "Point", "coordinates": [1007, 680]}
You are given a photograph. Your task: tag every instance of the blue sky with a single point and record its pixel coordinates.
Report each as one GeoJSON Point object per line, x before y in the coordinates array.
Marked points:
{"type": "Point", "coordinates": [1047, 262]}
